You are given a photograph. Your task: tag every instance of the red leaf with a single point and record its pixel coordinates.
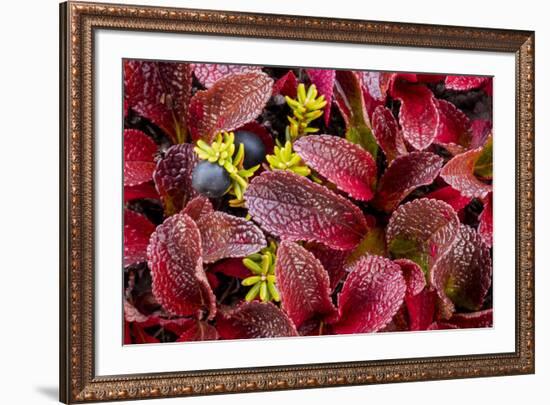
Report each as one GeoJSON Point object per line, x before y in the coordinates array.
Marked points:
{"type": "Point", "coordinates": [297, 209]}
{"type": "Point", "coordinates": [404, 175]}
{"type": "Point", "coordinates": [348, 96]}
{"type": "Point", "coordinates": [173, 177]}
{"type": "Point", "coordinates": [387, 133]}
{"type": "Point", "coordinates": [210, 73]}
{"type": "Point", "coordinates": [422, 230]}
{"type": "Point", "coordinates": [286, 85]}
{"type": "Point", "coordinates": [463, 276]}
{"type": "Point", "coordinates": [371, 296]}
{"type": "Point", "coordinates": [224, 236]}
{"type": "Point", "coordinates": [198, 207]}
{"type": "Point", "coordinates": [137, 229]}
{"type": "Point", "coordinates": [485, 227]}
{"type": "Point", "coordinates": [465, 82]}
{"type": "Point", "coordinates": [345, 164]}
{"type": "Point", "coordinates": [418, 114]}
{"type": "Point", "coordinates": [303, 283]}
{"type": "Point", "coordinates": [230, 103]}
{"type": "Point", "coordinates": [375, 86]}
{"type": "Point", "coordinates": [459, 173]}
{"type": "Point", "coordinates": [421, 309]}
{"type": "Point", "coordinates": [413, 275]}
{"type": "Point", "coordinates": [332, 260]}
{"type": "Point", "coordinates": [254, 319]}
{"type": "Point", "coordinates": [451, 197]}
{"type": "Point", "coordinates": [481, 319]}
{"type": "Point", "coordinates": [323, 79]}
{"type": "Point", "coordinates": [454, 125]}
{"type": "Point", "coordinates": [231, 267]}
{"type": "Point", "coordinates": [143, 190]}
{"type": "Point", "coordinates": [481, 130]}
{"type": "Point", "coordinates": [196, 331]}
{"type": "Point", "coordinates": [174, 257]}
{"type": "Point", "coordinates": [159, 91]}
{"type": "Point", "coordinates": [139, 152]}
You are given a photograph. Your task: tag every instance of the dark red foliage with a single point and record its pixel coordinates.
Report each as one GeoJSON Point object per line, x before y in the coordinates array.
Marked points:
{"type": "Point", "coordinates": [389, 228]}
{"type": "Point", "coordinates": [297, 209]}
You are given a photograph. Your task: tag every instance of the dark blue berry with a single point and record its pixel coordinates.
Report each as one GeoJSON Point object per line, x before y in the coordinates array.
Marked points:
{"type": "Point", "coordinates": [254, 148]}
{"type": "Point", "coordinates": [210, 179]}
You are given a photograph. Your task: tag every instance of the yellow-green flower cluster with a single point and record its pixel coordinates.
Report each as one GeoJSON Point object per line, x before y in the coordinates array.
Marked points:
{"type": "Point", "coordinates": [262, 266]}
{"type": "Point", "coordinates": [284, 158]}
{"type": "Point", "coordinates": [306, 108]}
{"type": "Point", "coordinates": [222, 152]}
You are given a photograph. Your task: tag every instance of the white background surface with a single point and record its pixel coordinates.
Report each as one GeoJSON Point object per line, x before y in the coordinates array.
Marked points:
{"type": "Point", "coordinates": [29, 220]}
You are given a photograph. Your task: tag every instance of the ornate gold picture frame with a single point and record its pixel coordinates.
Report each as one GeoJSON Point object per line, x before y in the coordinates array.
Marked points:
{"type": "Point", "coordinates": [79, 381]}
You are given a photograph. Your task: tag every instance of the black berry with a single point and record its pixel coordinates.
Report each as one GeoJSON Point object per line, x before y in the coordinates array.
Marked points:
{"type": "Point", "coordinates": [254, 148]}
{"type": "Point", "coordinates": [210, 179]}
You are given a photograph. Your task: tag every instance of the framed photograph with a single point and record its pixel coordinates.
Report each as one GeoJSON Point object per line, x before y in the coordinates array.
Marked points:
{"type": "Point", "coordinates": [255, 202]}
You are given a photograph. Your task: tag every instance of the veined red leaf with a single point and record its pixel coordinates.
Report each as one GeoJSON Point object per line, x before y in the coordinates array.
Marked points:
{"type": "Point", "coordinates": [422, 230]}
{"type": "Point", "coordinates": [254, 319]}
{"type": "Point", "coordinates": [374, 86]}
{"type": "Point", "coordinates": [454, 126]}
{"type": "Point", "coordinates": [459, 173]}
{"type": "Point", "coordinates": [421, 309]}
{"type": "Point", "coordinates": [286, 85]}
{"type": "Point", "coordinates": [137, 230]}
{"type": "Point", "coordinates": [297, 209]}
{"type": "Point", "coordinates": [143, 190]}
{"type": "Point", "coordinates": [376, 83]}
{"type": "Point", "coordinates": [371, 296]}
{"type": "Point", "coordinates": [159, 91]}
{"type": "Point", "coordinates": [348, 166]}
{"type": "Point", "coordinates": [348, 96]}
{"type": "Point", "coordinates": [485, 227]}
{"type": "Point", "coordinates": [139, 153]}
{"type": "Point", "coordinates": [230, 103]}
{"type": "Point", "coordinates": [465, 82]}
{"type": "Point", "coordinates": [173, 177]}
{"type": "Point", "coordinates": [198, 207]}
{"type": "Point", "coordinates": [323, 79]}
{"type": "Point", "coordinates": [174, 258]}
{"type": "Point", "coordinates": [462, 277]}
{"type": "Point", "coordinates": [418, 115]}
{"type": "Point", "coordinates": [332, 260]}
{"type": "Point", "coordinates": [303, 283]}
{"type": "Point", "coordinates": [225, 236]}
{"type": "Point", "coordinates": [387, 133]}
{"type": "Point", "coordinates": [405, 174]}
{"type": "Point", "coordinates": [451, 197]}
{"type": "Point", "coordinates": [481, 129]}
{"type": "Point", "coordinates": [210, 73]}
{"type": "Point", "coordinates": [413, 275]}
{"type": "Point", "coordinates": [480, 319]}
{"type": "Point", "coordinates": [195, 331]}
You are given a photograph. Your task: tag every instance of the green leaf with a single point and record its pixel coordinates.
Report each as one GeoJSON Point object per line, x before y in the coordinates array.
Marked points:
{"type": "Point", "coordinates": [483, 167]}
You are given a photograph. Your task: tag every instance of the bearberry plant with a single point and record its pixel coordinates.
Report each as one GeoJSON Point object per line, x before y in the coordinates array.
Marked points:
{"type": "Point", "coordinates": [270, 202]}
